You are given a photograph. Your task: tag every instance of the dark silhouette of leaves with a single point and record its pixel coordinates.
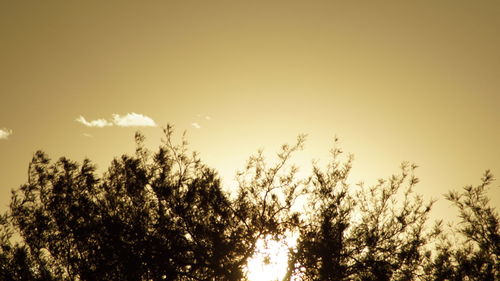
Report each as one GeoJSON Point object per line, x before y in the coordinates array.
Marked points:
{"type": "Point", "coordinates": [164, 215]}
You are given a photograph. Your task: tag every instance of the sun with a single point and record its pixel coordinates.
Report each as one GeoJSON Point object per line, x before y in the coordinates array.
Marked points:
{"type": "Point", "coordinates": [270, 261]}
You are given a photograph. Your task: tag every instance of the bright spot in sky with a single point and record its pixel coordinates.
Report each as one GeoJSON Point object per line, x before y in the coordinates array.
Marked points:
{"type": "Point", "coordinates": [270, 261]}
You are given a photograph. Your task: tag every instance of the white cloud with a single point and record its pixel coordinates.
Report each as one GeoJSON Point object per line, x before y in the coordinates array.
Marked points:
{"type": "Point", "coordinates": [5, 133]}
{"type": "Point", "coordinates": [88, 135]}
{"type": "Point", "coordinates": [94, 123]}
{"type": "Point", "coordinates": [133, 120]}
{"type": "Point", "coordinates": [128, 120]}
{"type": "Point", "coordinates": [196, 125]}
{"type": "Point", "coordinates": [208, 118]}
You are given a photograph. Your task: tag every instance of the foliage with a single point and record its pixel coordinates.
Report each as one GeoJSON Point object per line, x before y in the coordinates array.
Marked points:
{"type": "Point", "coordinates": [363, 235]}
{"type": "Point", "coordinates": [165, 216]}
{"type": "Point", "coordinates": [477, 256]}
{"type": "Point", "coordinates": [150, 217]}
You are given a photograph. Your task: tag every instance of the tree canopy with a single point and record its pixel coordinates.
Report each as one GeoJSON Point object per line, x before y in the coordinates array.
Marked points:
{"type": "Point", "coordinates": [164, 215]}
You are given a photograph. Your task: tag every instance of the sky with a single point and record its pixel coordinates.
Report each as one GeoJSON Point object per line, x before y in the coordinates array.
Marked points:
{"type": "Point", "coordinates": [396, 81]}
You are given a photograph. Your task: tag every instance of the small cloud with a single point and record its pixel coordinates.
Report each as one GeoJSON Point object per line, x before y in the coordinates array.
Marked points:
{"type": "Point", "coordinates": [196, 125]}
{"type": "Point", "coordinates": [128, 120]}
{"type": "Point", "coordinates": [208, 118]}
{"type": "Point", "coordinates": [88, 135]}
{"type": "Point", "coordinates": [94, 123]}
{"type": "Point", "coordinates": [5, 133]}
{"type": "Point", "coordinates": [133, 120]}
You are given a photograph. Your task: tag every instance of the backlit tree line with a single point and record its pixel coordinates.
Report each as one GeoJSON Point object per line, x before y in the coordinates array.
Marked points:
{"type": "Point", "coordinates": [164, 215]}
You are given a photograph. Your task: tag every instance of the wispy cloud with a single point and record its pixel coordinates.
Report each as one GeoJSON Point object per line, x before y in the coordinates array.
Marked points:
{"type": "Point", "coordinates": [133, 120]}
{"type": "Point", "coordinates": [128, 120]}
{"type": "Point", "coordinates": [99, 123]}
{"type": "Point", "coordinates": [201, 120]}
{"type": "Point", "coordinates": [5, 133]}
{"type": "Point", "coordinates": [88, 135]}
{"type": "Point", "coordinates": [206, 117]}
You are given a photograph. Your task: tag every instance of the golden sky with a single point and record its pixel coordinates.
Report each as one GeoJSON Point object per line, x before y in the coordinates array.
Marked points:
{"type": "Point", "coordinates": [395, 80]}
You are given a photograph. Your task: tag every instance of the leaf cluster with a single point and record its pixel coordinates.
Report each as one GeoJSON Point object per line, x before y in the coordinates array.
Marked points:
{"type": "Point", "coordinates": [164, 215]}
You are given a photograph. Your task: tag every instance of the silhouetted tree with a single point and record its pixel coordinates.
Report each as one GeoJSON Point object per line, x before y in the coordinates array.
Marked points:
{"type": "Point", "coordinates": [266, 197]}
{"type": "Point", "coordinates": [165, 216]}
{"type": "Point", "coordinates": [376, 233]}
{"type": "Point", "coordinates": [16, 262]}
{"type": "Point", "coordinates": [150, 217]}
{"type": "Point", "coordinates": [477, 256]}
{"type": "Point", "coordinates": [138, 222]}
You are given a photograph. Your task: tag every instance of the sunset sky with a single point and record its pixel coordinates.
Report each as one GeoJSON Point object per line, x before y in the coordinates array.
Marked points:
{"type": "Point", "coordinates": [396, 81]}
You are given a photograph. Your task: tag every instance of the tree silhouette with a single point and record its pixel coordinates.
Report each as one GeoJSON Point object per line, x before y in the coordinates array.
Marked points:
{"type": "Point", "coordinates": [363, 235]}
{"type": "Point", "coordinates": [164, 215]}
{"type": "Point", "coordinates": [477, 256]}
{"type": "Point", "coordinates": [150, 217]}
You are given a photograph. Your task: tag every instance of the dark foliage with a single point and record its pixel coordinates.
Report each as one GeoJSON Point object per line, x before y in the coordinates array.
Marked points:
{"type": "Point", "coordinates": [363, 235]}
{"type": "Point", "coordinates": [150, 217]}
{"type": "Point", "coordinates": [477, 255]}
{"type": "Point", "coordinates": [165, 216]}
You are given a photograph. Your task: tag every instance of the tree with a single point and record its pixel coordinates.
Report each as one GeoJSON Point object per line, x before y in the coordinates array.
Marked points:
{"type": "Point", "coordinates": [164, 216]}
{"type": "Point", "coordinates": [137, 222]}
{"type": "Point", "coordinates": [149, 217]}
{"type": "Point", "coordinates": [477, 256]}
{"type": "Point", "coordinates": [362, 235]}
{"type": "Point", "coordinates": [15, 261]}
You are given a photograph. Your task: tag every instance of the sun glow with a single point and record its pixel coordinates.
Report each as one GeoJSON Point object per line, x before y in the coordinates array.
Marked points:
{"type": "Point", "coordinates": [269, 263]}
